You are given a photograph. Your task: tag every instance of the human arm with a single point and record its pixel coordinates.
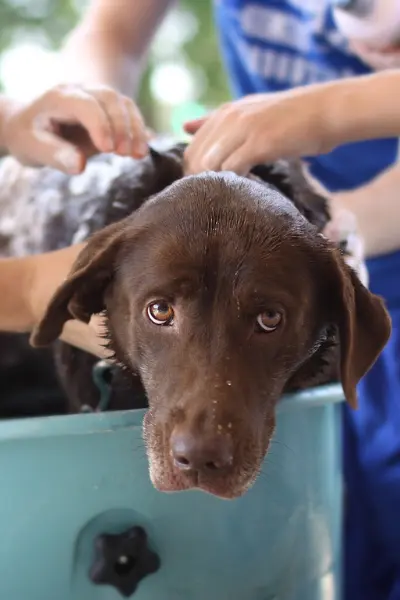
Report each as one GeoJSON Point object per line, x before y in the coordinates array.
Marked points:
{"type": "Point", "coordinates": [26, 287]}
{"type": "Point", "coordinates": [109, 46]}
{"type": "Point", "coordinates": [304, 121]}
{"type": "Point", "coordinates": [310, 121]}
{"type": "Point", "coordinates": [376, 207]}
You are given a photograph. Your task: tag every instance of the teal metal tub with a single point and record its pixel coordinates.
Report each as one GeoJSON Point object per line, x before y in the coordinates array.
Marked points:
{"type": "Point", "coordinates": [68, 483]}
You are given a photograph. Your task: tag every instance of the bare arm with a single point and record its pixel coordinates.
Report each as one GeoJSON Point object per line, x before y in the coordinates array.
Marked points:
{"type": "Point", "coordinates": [377, 209]}
{"type": "Point", "coordinates": [362, 108]}
{"type": "Point", "coordinates": [304, 121]}
{"type": "Point", "coordinates": [110, 44]}
{"type": "Point", "coordinates": [26, 287]}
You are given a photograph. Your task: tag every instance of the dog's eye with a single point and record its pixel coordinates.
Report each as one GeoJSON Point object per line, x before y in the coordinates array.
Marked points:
{"type": "Point", "coordinates": [160, 312]}
{"type": "Point", "coordinates": [269, 320]}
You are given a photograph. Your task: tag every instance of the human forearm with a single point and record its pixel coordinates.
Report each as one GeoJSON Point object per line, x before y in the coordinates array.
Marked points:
{"type": "Point", "coordinates": [110, 45]}
{"type": "Point", "coordinates": [377, 209]}
{"type": "Point", "coordinates": [15, 282]}
{"type": "Point", "coordinates": [304, 121]}
{"type": "Point", "coordinates": [361, 108]}
{"type": "Point", "coordinates": [26, 287]}
{"type": "Point", "coordinates": [95, 58]}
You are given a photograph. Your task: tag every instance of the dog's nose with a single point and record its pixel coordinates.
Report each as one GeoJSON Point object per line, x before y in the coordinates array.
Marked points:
{"type": "Point", "coordinates": [211, 452]}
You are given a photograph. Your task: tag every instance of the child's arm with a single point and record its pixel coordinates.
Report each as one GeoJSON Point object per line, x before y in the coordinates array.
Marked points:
{"type": "Point", "coordinates": [26, 287]}
{"type": "Point", "coordinates": [376, 207]}
{"type": "Point", "coordinates": [304, 121]}
{"type": "Point", "coordinates": [363, 108]}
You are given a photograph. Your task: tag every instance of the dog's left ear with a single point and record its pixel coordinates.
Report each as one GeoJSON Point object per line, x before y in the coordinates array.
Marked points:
{"type": "Point", "coordinates": [82, 293]}
{"type": "Point", "coordinates": [362, 322]}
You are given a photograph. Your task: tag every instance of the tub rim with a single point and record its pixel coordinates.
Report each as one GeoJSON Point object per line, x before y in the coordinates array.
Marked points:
{"type": "Point", "coordinates": [96, 423]}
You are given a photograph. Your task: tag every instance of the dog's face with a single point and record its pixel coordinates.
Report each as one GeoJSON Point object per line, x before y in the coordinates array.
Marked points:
{"type": "Point", "coordinates": [219, 293]}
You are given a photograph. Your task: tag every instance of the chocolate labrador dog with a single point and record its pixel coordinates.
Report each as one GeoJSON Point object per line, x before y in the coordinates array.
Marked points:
{"type": "Point", "coordinates": [222, 294]}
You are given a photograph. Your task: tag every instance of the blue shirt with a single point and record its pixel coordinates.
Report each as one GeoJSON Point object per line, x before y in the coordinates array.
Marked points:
{"type": "Point", "coordinates": [271, 45]}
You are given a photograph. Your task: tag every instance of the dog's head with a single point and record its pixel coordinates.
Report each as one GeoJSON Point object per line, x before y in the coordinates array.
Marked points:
{"type": "Point", "coordinates": [218, 292]}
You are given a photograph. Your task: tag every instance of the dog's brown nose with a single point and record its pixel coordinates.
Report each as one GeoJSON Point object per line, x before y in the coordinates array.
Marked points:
{"type": "Point", "coordinates": [201, 452]}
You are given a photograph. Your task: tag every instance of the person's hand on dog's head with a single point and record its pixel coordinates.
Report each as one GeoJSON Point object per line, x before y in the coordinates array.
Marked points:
{"type": "Point", "coordinates": [256, 129]}
{"type": "Point", "coordinates": [69, 123]}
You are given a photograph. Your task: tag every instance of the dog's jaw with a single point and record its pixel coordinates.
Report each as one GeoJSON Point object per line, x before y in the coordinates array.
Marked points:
{"type": "Point", "coordinates": [232, 484]}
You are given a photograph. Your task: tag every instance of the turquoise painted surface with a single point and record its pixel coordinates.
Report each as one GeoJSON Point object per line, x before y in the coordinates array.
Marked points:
{"type": "Point", "coordinates": [64, 480]}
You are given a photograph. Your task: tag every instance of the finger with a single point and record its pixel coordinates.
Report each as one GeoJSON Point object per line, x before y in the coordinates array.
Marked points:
{"type": "Point", "coordinates": [114, 108]}
{"type": "Point", "coordinates": [241, 161]}
{"type": "Point", "coordinates": [77, 106]}
{"type": "Point", "coordinates": [126, 121]}
{"type": "Point", "coordinates": [192, 126]}
{"type": "Point", "coordinates": [138, 133]}
{"type": "Point", "coordinates": [50, 150]}
{"type": "Point", "coordinates": [218, 137]}
{"type": "Point", "coordinates": [83, 336]}
{"type": "Point", "coordinates": [99, 328]}
{"type": "Point", "coordinates": [199, 144]}
{"type": "Point", "coordinates": [209, 153]}
{"type": "Point", "coordinates": [129, 131]}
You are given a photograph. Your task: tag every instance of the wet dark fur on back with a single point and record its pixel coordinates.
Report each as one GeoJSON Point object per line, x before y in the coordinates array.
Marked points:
{"type": "Point", "coordinates": [66, 210]}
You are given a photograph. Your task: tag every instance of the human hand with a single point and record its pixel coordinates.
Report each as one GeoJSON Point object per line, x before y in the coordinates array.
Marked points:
{"type": "Point", "coordinates": [343, 230]}
{"type": "Point", "coordinates": [343, 227]}
{"type": "Point", "coordinates": [379, 59]}
{"type": "Point", "coordinates": [69, 123]}
{"type": "Point", "coordinates": [259, 128]}
{"type": "Point", "coordinates": [88, 337]}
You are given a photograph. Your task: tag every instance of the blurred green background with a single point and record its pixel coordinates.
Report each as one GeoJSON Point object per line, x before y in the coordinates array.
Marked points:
{"type": "Point", "coordinates": [184, 78]}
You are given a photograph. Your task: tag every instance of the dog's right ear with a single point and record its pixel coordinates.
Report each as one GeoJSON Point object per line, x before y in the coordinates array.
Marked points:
{"type": "Point", "coordinates": [82, 293]}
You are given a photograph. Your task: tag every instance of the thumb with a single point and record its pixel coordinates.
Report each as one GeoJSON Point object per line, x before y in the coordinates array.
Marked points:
{"type": "Point", "coordinates": [47, 149]}
{"type": "Point", "coordinates": [194, 125]}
